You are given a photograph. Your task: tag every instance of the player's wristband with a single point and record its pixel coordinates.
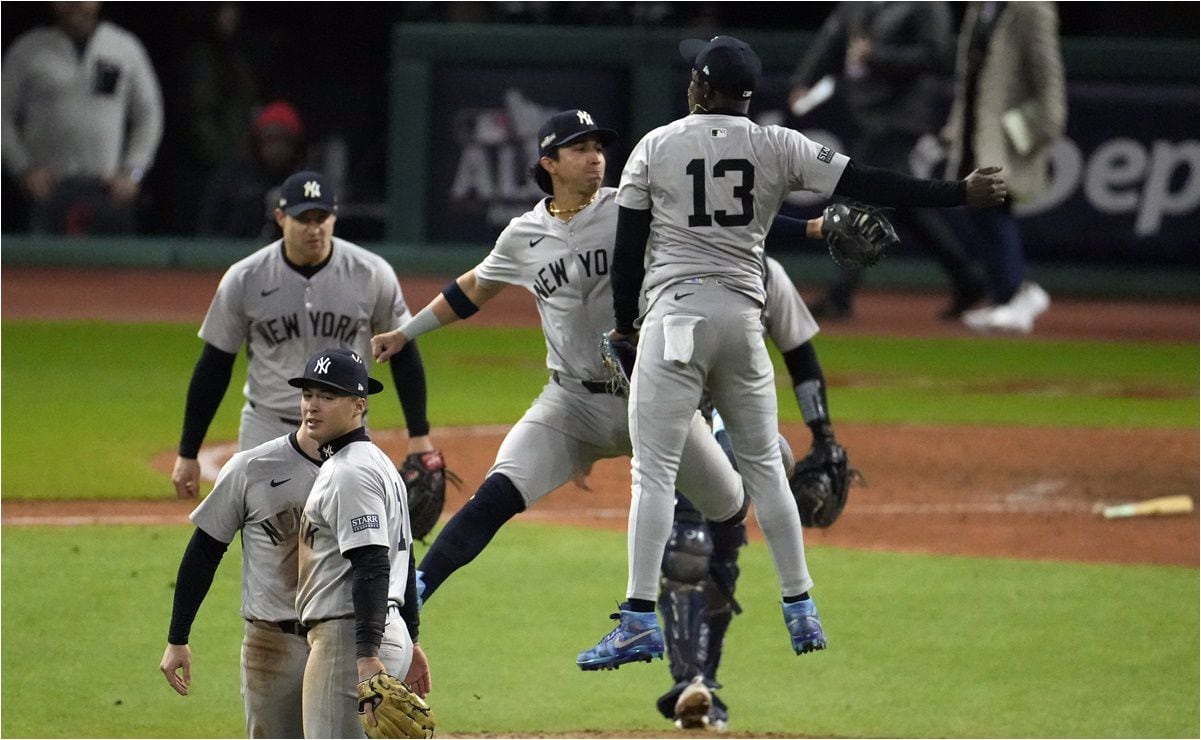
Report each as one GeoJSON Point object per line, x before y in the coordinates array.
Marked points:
{"type": "Point", "coordinates": [424, 321]}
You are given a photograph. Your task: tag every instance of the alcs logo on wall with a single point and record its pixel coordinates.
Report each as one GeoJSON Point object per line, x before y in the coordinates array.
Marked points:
{"type": "Point", "coordinates": [496, 148]}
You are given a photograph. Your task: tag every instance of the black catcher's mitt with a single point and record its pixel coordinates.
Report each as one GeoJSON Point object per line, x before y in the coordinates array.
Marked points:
{"type": "Point", "coordinates": [425, 476]}
{"type": "Point", "coordinates": [857, 234]}
{"type": "Point", "coordinates": [821, 483]}
{"type": "Point", "coordinates": [618, 357]}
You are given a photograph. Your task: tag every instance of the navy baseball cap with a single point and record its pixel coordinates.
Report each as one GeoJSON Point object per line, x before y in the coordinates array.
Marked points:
{"type": "Point", "coordinates": [562, 129]}
{"type": "Point", "coordinates": [567, 126]}
{"type": "Point", "coordinates": [339, 369]}
{"type": "Point", "coordinates": [729, 65]}
{"type": "Point", "coordinates": [307, 191]}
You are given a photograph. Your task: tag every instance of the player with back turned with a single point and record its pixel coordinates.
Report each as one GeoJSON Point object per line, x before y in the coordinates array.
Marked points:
{"type": "Point", "coordinates": [696, 200]}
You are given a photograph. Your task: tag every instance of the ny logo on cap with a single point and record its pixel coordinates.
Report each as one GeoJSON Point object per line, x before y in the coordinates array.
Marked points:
{"type": "Point", "coordinates": [312, 189]}
{"type": "Point", "coordinates": [584, 118]}
{"type": "Point", "coordinates": [355, 356]}
{"type": "Point", "coordinates": [322, 366]}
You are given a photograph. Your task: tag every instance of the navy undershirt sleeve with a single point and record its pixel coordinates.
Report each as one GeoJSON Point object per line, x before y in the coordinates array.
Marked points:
{"type": "Point", "coordinates": [408, 373]}
{"type": "Point", "coordinates": [409, 611]}
{"type": "Point", "coordinates": [369, 591]}
{"type": "Point", "coordinates": [210, 380]}
{"type": "Point", "coordinates": [196, 569]}
{"type": "Point", "coordinates": [633, 229]}
{"type": "Point", "coordinates": [891, 188]}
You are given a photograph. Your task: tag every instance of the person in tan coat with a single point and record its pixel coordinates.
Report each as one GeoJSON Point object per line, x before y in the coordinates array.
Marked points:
{"type": "Point", "coordinates": [1010, 106]}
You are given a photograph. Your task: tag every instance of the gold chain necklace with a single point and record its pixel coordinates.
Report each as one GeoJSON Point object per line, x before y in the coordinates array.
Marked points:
{"type": "Point", "coordinates": [556, 211]}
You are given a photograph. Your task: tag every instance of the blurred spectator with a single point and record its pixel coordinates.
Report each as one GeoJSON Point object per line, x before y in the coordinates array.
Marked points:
{"type": "Point", "coordinates": [220, 90]}
{"type": "Point", "coordinates": [1010, 106]}
{"type": "Point", "coordinates": [82, 120]}
{"type": "Point", "coordinates": [241, 198]}
{"type": "Point", "coordinates": [887, 56]}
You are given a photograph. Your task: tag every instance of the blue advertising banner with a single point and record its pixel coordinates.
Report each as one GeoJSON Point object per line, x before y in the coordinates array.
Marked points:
{"type": "Point", "coordinates": [1124, 178]}
{"type": "Point", "coordinates": [1123, 189]}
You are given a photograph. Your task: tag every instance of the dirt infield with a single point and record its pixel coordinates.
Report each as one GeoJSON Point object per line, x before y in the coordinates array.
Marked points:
{"type": "Point", "coordinates": [1007, 492]}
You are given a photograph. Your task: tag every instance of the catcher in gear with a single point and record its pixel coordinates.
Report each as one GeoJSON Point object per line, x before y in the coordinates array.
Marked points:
{"type": "Point", "coordinates": [700, 569]}
{"type": "Point", "coordinates": [387, 708]}
{"type": "Point", "coordinates": [858, 235]}
{"type": "Point", "coordinates": [425, 475]}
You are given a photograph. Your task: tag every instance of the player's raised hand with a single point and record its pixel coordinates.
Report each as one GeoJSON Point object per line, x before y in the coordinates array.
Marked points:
{"type": "Point", "coordinates": [383, 346]}
{"type": "Point", "coordinates": [186, 477]}
{"type": "Point", "coordinates": [985, 188]}
{"type": "Point", "coordinates": [177, 658]}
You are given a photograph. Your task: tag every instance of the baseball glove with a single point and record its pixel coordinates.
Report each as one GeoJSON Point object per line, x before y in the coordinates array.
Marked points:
{"type": "Point", "coordinates": [618, 357]}
{"type": "Point", "coordinates": [857, 234]}
{"type": "Point", "coordinates": [398, 711]}
{"type": "Point", "coordinates": [425, 477]}
{"type": "Point", "coordinates": [821, 482]}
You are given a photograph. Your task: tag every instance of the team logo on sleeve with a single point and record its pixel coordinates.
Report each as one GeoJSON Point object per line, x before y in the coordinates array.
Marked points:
{"type": "Point", "coordinates": [367, 521]}
{"type": "Point", "coordinates": [826, 155]}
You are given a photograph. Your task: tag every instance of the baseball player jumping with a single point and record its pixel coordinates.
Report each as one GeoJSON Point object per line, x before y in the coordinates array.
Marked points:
{"type": "Point", "coordinates": [260, 492]}
{"type": "Point", "coordinates": [700, 562]}
{"type": "Point", "coordinates": [560, 251]}
{"type": "Point", "coordinates": [307, 291]}
{"type": "Point", "coordinates": [356, 593]}
{"type": "Point", "coordinates": [704, 190]}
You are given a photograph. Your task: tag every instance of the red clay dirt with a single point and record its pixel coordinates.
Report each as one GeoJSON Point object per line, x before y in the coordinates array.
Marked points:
{"type": "Point", "coordinates": [985, 491]}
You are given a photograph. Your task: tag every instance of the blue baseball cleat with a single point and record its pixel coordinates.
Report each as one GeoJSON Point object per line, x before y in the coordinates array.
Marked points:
{"type": "Point", "coordinates": [804, 626]}
{"type": "Point", "coordinates": [636, 637]}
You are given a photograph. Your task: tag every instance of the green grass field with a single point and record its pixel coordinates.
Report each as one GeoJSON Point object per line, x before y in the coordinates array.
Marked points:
{"type": "Point", "coordinates": [921, 646]}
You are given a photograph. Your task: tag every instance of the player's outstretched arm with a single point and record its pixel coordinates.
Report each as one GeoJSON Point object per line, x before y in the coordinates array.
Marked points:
{"type": "Point", "coordinates": [983, 188]}
{"type": "Point", "coordinates": [458, 300]}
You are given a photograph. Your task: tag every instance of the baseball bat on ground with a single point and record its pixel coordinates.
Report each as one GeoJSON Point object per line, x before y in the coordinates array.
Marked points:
{"type": "Point", "coordinates": [1179, 504]}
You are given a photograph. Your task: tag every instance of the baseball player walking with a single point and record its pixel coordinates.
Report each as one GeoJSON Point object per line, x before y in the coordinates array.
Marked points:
{"type": "Point", "coordinates": [260, 492]}
{"type": "Point", "coordinates": [561, 251]}
{"type": "Point", "coordinates": [304, 292]}
{"type": "Point", "coordinates": [356, 592]}
{"type": "Point", "coordinates": [704, 189]}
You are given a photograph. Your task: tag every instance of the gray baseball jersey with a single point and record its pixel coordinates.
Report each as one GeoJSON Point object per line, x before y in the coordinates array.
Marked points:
{"type": "Point", "coordinates": [358, 499]}
{"type": "Point", "coordinates": [725, 177]}
{"type": "Point", "coordinates": [786, 318]}
{"type": "Point", "coordinates": [566, 267]}
{"type": "Point", "coordinates": [283, 317]}
{"type": "Point", "coordinates": [713, 184]}
{"type": "Point", "coordinates": [261, 493]}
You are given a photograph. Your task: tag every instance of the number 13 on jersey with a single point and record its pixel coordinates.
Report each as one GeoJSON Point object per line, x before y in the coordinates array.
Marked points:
{"type": "Point", "coordinates": [740, 176]}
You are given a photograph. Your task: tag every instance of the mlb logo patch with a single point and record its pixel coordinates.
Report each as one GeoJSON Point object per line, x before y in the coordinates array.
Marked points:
{"type": "Point", "coordinates": [826, 155]}
{"type": "Point", "coordinates": [718, 133]}
{"type": "Point", "coordinates": [367, 521]}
